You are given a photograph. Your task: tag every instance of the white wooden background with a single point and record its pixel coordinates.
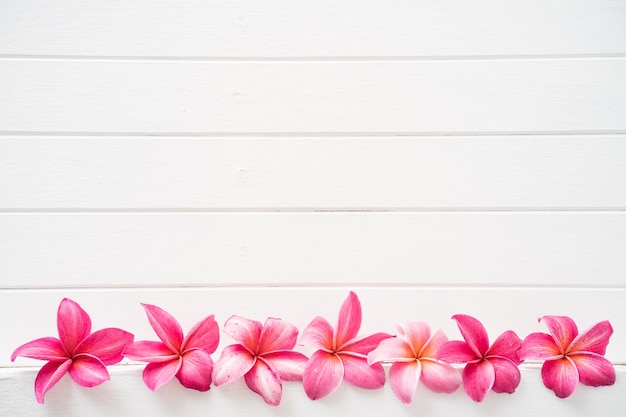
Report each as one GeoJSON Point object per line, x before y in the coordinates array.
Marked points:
{"type": "Point", "coordinates": [264, 158]}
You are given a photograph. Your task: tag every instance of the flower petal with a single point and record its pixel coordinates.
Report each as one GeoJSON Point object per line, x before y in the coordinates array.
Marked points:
{"type": "Point", "coordinates": [416, 333]}
{"type": "Point", "coordinates": [157, 374]}
{"type": "Point", "coordinates": [594, 370]}
{"type": "Point", "coordinates": [245, 331]}
{"type": "Point", "coordinates": [349, 321]}
{"type": "Point", "coordinates": [149, 351]}
{"type": "Point", "coordinates": [196, 369]}
{"type": "Point", "coordinates": [88, 370]}
{"type": "Point", "coordinates": [433, 345]}
{"type": "Point", "coordinates": [276, 335]}
{"type": "Point", "coordinates": [560, 376]}
{"type": "Point", "coordinates": [456, 352]}
{"type": "Point", "coordinates": [507, 345]}
{"type": "Point", "coordinates": [263, 380]}
{"type": "Point", "coordinates": [288, 364]}
{"type": "Point", "coordinates": [507, 377]}
{"type": "Point", "coordinates": [358, 372]}
{"type": "Point", "coordinates": [392, 349]}
{"type": "Point", "coordinates": [478, 378]}
{"type": "Point", "coordinates": [235, 361]}
{"type": "Point", "coordinates": [403, 378]}
{"type": "Point", "coordinates": [204, 335]}
{"type": "Point", "coordinates": [322, 375]}
{"type": "Point", "coordinates": [539, 346]}
{"type": "Point", "coordinates": [562, 328]}
{"type": "Point", "coordinates": [473, 332]}
{"type": "Point", "coordinates": [361, 346]}
{"type": "Point", "coordinates": [73, 324]}
{"type": "Point", "coordinates": [593, 340]}
{"type": "Point", "coordinates": [318, 334]}
{"type": "Point", "coordinates": [165, 326]}
{"type": "Point", "coordinates": [440, 376]}
{"type": "Point", "coordinates": [48, 376]}
{"type": "Point", "coordinates": [46, 348]}
{"type": "Point", "coordinates": [106, 344]}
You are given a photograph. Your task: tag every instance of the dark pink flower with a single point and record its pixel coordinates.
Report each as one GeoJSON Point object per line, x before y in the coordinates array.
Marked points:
{"type": "Point", "coordinates": [341, 355]}
{"type": "Point", "coordinates": [487, 367]}
{"type": "Point", "coordinates": [413, 355]}
{"type": "Point", "coordinates": [264, 356]}
{"type": "Point", "coordinates": [188, 358]}
{"type": "Point", "coordinates": [83, 354]}
{"type": "Point", "coordinates": [570, 357]}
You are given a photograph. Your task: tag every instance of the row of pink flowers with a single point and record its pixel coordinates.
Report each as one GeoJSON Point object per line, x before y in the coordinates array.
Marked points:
{"type": "Point", "coordinates": [264, 355]}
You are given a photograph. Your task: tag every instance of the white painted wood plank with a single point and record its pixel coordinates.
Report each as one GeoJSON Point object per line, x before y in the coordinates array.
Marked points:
{"type": "Point", "coordinates": [567, 95]}
{"type": "Point", "coordinates": [275, 28]}
{"type": "Point", "coordinates": [125, 395]}
{"type": "Point", "coordinates": [314, 173]}
{"type": "Point", "coordinates": [30, 314]}
{"type": "Point", "coordinates": [503, 248]}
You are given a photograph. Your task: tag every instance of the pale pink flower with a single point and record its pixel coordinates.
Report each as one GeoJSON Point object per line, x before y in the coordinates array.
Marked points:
{"type": "Point", "coordinates": [341, 355]}
{"type": "Point", "coordinates": [570, 357]}
{"type": "Point", "coordinates": [264, 356]}
{"type": "Point", "coordinates": [83, 354]}
{"type": "Point", "coordinates": [188, 358]}
{"type": "Point", "coordinates": [413, 355]}
{"type": "Point", "coordinates": [487, 368]}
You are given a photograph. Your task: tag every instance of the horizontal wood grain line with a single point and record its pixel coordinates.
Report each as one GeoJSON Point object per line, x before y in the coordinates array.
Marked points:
{"type": "Point", "coordinates": [446, 97]}
{"type": "Point", "coordinates": [282, 248]}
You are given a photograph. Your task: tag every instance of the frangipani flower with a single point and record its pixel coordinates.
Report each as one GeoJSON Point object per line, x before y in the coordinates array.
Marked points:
{"type": "Point", "coordinates": [570, 357]}
{"type": "Point", "coordinates": [263, 356]}
{"type": "Point", "coordinates": [341, 354]}
{"type": "Point", "coordinates": [413, 356]}
{"type": "Point", "coordinates": [487, 368]}
{"type": "Point", "coordinates": [186, 358]}
{"type": "Point", "coordinates": [83, 354]}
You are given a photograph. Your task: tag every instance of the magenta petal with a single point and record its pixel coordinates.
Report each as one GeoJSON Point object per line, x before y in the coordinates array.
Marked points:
{"type": "Point", "coordinates": [456, 352]}
{"type": "Point", "coordinates": [349, 321]}
{"type": "Point", "coordinates": [149, 351]}
{"type": "Point", "coordinates": [157, 374]}
{"type": "Point", "coordinates": [263, 380]}
{"type": "Point", "coordinates": [73, 324]}
{"type": "Point", "coordinates": [431, 348]}
{"type": "Point", "coordinates": [440, 377]}
{"type": "Point", "coordinates": [88, 371]}
{"type": "Point", "coordinates": [562, 328]}
{"type": "Point", "coordinates": [416, 333]}
{"type": "Point", "coordinates": [593, 340]}
{"type": "Point", "coordinates": [48, 375]}
{"type": "Point", "coordinates": [403, 379]}
{"type": "Point", "coordinates": [276, 335]}
{"type": "Point", "coordinates": [539, 346]}
{"type": "Point", "coordinates": [560, 376]}
{"type": "Point", "coordinates": [392, 349]}
{"type": "Point", "coordinates": [318, 334]}
{"type": "Point", "coordinates": [195, 370]}
{"type": "Point", "coordinates": [507, 345]}
{"type": "Point", "coordinates": [165, 326]}
{"type": "Point", "coordinates": [364, 345]}
{"type": "Point", "coordinates": [322, 375]}
{"type": "Point", "coordinates": [235, 361]}
{"type": "Point", "coordinates": [46, 348]}
{"type": "Point", "coordinates": [288, 364]}
{"type": "Point", "coordinates": [594, 370]}
{"type": "Point", "coordinates": [507, 375]}
{"type": "Point", "coordinates": [358, 372]}
{"type": "Point", "coordinates": [478, 378]}
{"type": "Point", "coordinates": [204, 335]}
{"type": "Point", "coordinates": [106, 344]}
{"type": "Point", "coordinates": [245, 331]}
{"type": "Point", "coordinates": [474, 333]}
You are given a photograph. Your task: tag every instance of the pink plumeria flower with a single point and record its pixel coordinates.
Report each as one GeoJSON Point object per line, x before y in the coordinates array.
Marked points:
{"type": "Point", "coordinates": [570, 357]}
{"type": "Point", "coordinates": [341, 355]}
{"type": "Point", "coordinates": [413, 355]}
{"type": "Point", "coordinates": [263, 356]}
{"type": "Point", "coordinates": [186, 358]}
{"type": "Point", "coordinates": [83, 354]}
{"type": "Point", "coordinates": [487, 368]}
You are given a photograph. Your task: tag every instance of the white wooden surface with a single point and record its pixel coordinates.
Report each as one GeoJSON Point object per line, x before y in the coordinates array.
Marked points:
{"type": "Point", "coordinates": [264, 158]}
